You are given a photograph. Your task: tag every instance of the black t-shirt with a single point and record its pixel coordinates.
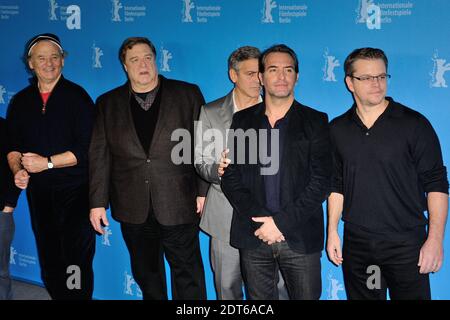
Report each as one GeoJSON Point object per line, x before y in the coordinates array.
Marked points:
{"type": "Point", "coordinates": [385, 171]}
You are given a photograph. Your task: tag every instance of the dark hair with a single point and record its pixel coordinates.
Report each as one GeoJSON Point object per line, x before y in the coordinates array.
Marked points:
{"type": "Point", "coordinates": [130, 43]}
{"type": "Point", "coordinates": [242, 54]}
{"type": "Point", "coordinates": [366, 54]}
{"type": "Point", "coordinates": [277, 48]}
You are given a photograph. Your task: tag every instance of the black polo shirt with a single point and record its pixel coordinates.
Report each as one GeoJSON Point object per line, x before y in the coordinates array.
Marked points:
{"type": "Point", "coordinates": [384, 172]}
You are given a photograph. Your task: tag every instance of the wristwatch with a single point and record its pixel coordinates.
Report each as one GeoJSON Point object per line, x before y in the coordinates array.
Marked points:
{"type": "Point", "coordinates": [50, 163]}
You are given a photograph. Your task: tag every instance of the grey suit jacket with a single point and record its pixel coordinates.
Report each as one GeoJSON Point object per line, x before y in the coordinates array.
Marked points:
{"type": "Point", "coordinates": [217, 212]}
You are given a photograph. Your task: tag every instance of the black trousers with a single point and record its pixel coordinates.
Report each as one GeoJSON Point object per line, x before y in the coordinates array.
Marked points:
{"type": "Point", "coordinates": [147, 244]}
{"type": "Point", "coordinates": [396, 256]}
{"type": "Point", "coordinates": [64, 238]}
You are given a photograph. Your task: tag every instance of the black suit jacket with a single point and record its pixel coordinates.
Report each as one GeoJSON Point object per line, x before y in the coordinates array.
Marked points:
{"type": "Point", "coordinates": [305, 181]}
{"type": "Point", "coordinates": [8, 191]}
{"type": "Point", "coordinates": [125, 175]}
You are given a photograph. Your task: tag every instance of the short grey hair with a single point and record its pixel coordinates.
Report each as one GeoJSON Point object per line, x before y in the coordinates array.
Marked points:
{"type": "Point", "coordinates": [242, 54]}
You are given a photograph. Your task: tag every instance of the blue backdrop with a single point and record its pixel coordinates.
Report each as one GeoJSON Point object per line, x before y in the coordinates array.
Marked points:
{"type": "Point", "coordinates": [193, 40]}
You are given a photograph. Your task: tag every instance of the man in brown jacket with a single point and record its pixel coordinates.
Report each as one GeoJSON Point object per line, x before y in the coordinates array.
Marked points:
{"type": "Point", "coordinates": [131, 167]}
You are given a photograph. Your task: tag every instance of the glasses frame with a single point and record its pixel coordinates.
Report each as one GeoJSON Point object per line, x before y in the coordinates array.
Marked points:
{"type": "Point", "coordinates": [372, 78]}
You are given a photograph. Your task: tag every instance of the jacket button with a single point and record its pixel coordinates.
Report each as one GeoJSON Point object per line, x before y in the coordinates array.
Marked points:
{"type": "Point", "coordinates": [148, 160]}
{"type": "Point", "coordinates": [146, 181]}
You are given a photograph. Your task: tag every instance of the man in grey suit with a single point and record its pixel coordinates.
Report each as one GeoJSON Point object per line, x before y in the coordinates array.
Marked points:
{"type": "Point", "coordinates": [210, 162]}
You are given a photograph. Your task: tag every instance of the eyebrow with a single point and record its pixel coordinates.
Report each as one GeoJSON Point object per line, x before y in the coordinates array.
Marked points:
{"type": "Point", "coordinates": [146, 55]}
{"type": "Point", "coordinates": [283, 67]}
{"type": "Point", "coordinates": [50, 55]}
{"type": "Point", "coordinates": [369, 75]}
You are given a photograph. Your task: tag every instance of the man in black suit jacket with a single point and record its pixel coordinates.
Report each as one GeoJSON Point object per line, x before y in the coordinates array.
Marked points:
{"type": "Point", "coordinates": [133, 167]}
{"type": "Point", "coordinates": [8, 199]}
{"type": "Point", "coordinates": [278, 216]}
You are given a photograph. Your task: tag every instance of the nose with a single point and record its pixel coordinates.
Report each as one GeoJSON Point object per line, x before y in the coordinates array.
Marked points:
{"type": "Point", "coordinates": [376, 82]}
{"type": "Point", "coordinates": [281, 75]}
{"type": "Point", "coordinates": [48, 62]}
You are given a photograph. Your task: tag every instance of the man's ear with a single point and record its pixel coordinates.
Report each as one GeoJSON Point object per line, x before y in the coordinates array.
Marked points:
{"type": "Point", "coordinates": [260, 79]}
{"type": "Point", "coordinates": [233, 75]}
{"type": "Point", "coordinates": [349, 83]}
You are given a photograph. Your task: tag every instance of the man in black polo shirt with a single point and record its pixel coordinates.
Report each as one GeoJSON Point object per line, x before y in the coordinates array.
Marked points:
{"type": "Point", "coordinates": [388, 170]}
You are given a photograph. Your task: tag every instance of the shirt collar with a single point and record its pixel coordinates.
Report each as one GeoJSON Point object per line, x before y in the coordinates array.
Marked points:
{"type": "Point", "coordinates": [235, 108]}
{"type": "Point", "coordinates": [283, 121]}
{"type": "Point", "coordinates": [35, 82]}
{"type": "Point", "coordinates": [149, 98]}
{"type": "Point", "coordinates": [392, 110]}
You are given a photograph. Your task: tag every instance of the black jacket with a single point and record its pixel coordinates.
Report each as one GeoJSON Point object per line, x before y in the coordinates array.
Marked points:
{"type": "Point", "coordinates": [8, 191]}
{"type": "Point", "coordinates": [305, 181]}
{"type": "Point", "coordinates": [65, 126]}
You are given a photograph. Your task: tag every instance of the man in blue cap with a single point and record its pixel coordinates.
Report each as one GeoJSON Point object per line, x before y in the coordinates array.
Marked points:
{"type": "Point", "coordinates": [49, 129]}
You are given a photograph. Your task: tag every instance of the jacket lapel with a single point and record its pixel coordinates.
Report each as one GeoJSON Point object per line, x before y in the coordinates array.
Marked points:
{"type": "Point", "coordinates": [164, 110]}
{"type": "Point", "coordinates": [227, 110]}
{"type": "Point", "coordinates": [293, 134]}
{"type": "Point", "coordinates": [257, 123]}
{"type": "Point", "coordinates": [124, 100]}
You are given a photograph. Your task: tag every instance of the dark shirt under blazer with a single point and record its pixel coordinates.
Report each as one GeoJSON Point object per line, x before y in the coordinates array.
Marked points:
{"type": "Point", "coordinates": [305, 178]}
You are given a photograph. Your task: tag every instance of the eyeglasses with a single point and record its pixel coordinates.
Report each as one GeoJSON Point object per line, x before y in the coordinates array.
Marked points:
{"type": "Point", "coordinates": [366, 79]}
